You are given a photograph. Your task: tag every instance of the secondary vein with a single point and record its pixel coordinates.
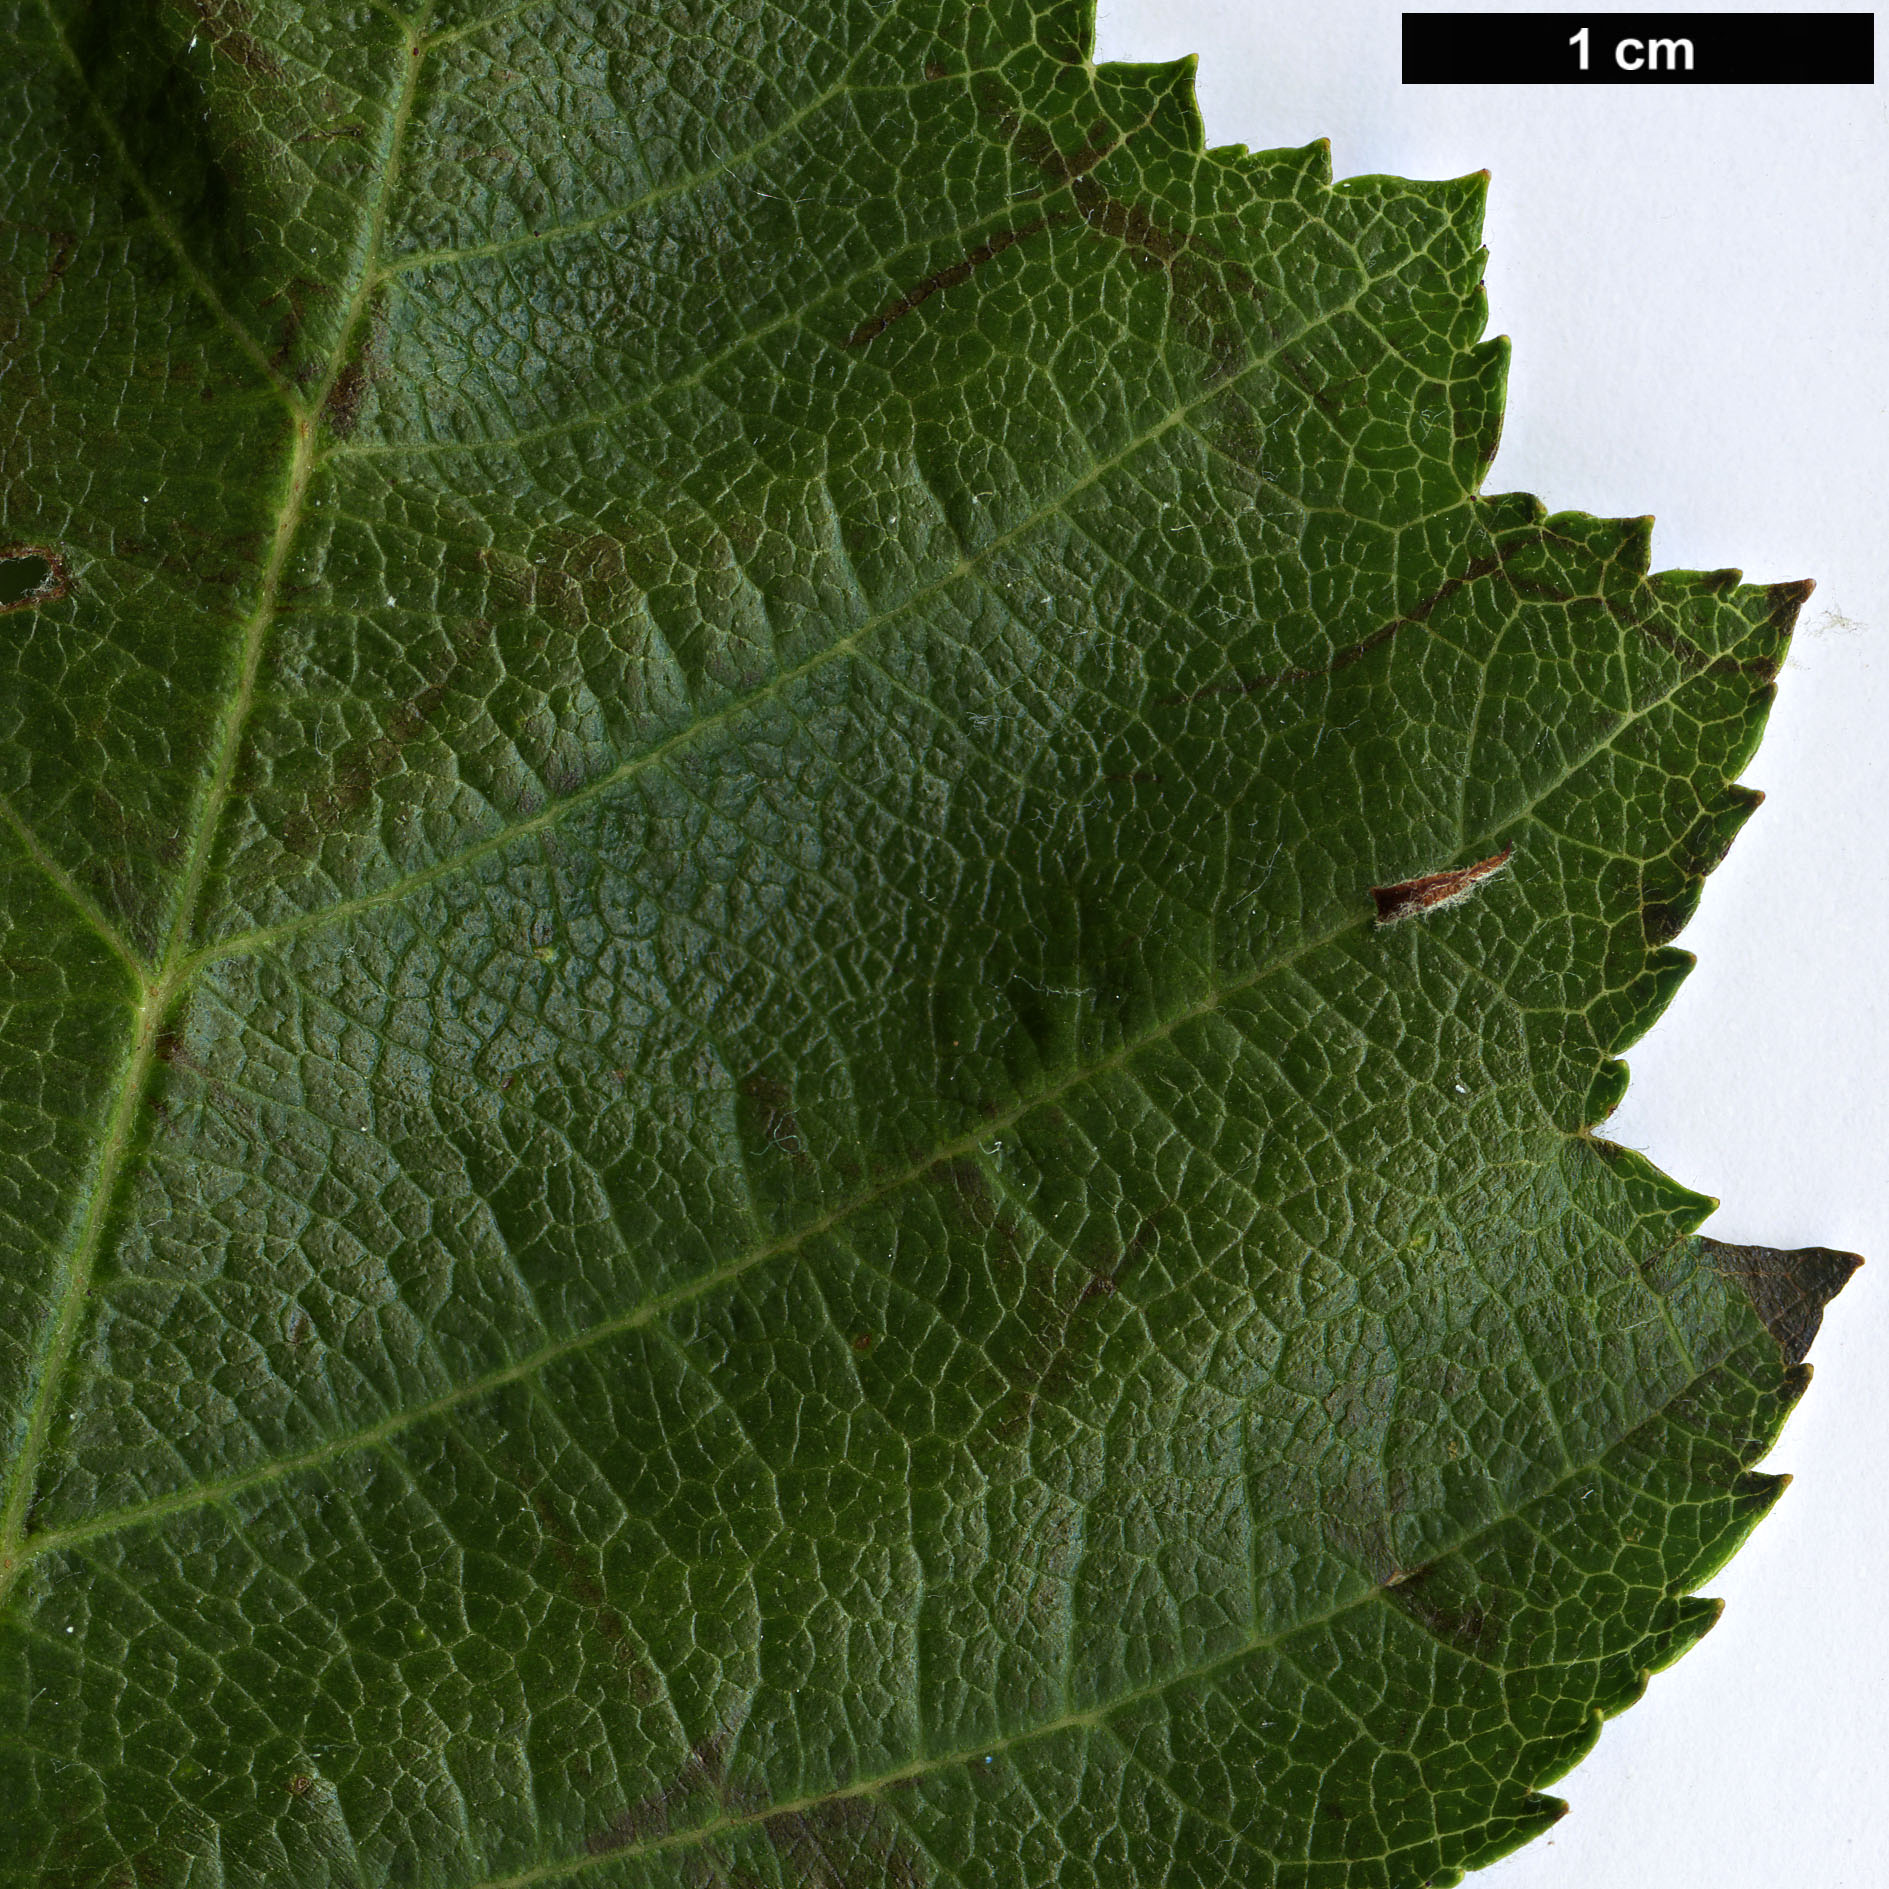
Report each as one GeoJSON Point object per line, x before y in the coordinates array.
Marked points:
{"type": "Point", "coordinates": [967, 566]}
{"type": "Point", "coordinates": [76, 896]}
{"type": "Point", "coordinates": [1095, 1717]}
{"type": "Point", "coordinates": [200, 1495]}
{"type": "Point", "coordinates": [135, 177]}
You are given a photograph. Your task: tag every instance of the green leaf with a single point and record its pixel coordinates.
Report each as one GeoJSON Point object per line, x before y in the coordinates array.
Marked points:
{"type": "Point", "coordinates": [810, 944]}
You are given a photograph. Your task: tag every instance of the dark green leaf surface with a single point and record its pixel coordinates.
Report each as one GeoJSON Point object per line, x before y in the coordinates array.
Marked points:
{"type": "Point", "coordinates": [711, 1169]}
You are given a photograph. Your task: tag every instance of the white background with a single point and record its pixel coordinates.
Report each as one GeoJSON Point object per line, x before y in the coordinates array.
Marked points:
{"type": "Point", "coordinates": [1696, 281]}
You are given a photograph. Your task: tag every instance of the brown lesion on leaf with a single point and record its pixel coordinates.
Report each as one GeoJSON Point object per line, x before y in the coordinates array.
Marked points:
{"type": "Point", "coordinates": [61, 247]}
{"type": "Point", "coordinates": [1676, 643]}
{"type": "Point", "coordinates": [1788, 1290]}
{"type": "Point", "coordinates": [1055, 1311]}
{"type": "Point", "coordinates": [171, 1050]}
{"type": "Point", "coordinates": [360, 767]}
{"type": "Point", "coordinates": [1109, 1263]}
{"type": "Point", "coordinates": [1670, 885]}
{"type": "Point", "coordinates": [1787, 599]}
{"type": "Point", "coordinates": [844, 1843]}
{"type": "Point", "coordinates": [1419, 612]}
{"type": "Point", "coordinates": [580, 578]}
{"type": "Point", "coordinates": [582, 1584]}
{"type": "Point", "coordinates": [971, 1186]}
{"type": "Point", "coordinates": [770, 1118]}
{"type": "Point", "coordinates": [942, 279]}
{"type": "Point", "coordinates": [46, 577]}
{"type": "Point", "coordinates": [1470, 1626]}
{"type": "Point", "coordinates": [297, 291]}
{"type": "Point", "coordinates": [1036, 146]}
{"type": "Point", "coordinates": [1783, 602]}
{"type": "Point", "coordinates": [970, 1203]}
{"type": "Point", "coordinates": [225, 24]}
{"type": "Point", "coordinates": [1033, 141]}
{"type": "Point", "coordinates": [1207, 285]}
{"type": "Point", "coordinates": [342, 408]}
{"type": "Point", "coordinates": [1693, 660]}
{"type": "Point", "coordinates": [1435, 890]}
{"type": "Point", "coordinates": [347, 393]}
{"type": "Point", "coordinates": [702, 1774]}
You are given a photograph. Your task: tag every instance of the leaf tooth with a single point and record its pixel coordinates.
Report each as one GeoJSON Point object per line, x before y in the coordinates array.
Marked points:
{"type": "Point", "coordinates": [1788, 1290]}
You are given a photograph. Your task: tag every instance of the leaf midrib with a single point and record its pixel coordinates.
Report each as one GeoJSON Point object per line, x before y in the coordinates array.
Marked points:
{"type": "Point", "coordinates": [159, 993]}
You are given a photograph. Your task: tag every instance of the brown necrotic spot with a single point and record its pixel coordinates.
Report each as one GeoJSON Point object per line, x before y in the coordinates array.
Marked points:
{"type": "Point", "coordinates": [1207, 286]}
{"type": "Point", "coordinates": [676, 1804]}
{"type": "Point", "coordinates": [342, 408]}
{"type": "Point", "coordinates": [1419, 612]}
{"type": "Point", "coordinates": [941, 279]}
{"type": "Point", "coordinates": [61, 247]}
{"type": "Point", "coordinates": [1468, 1622]}
{"type": "Point", "coordinates": [225, 23]}
{"type": "Point", "coordinates": [292, 300]}
{"type": "Point", "coordinates": [1787, 599]}
{"type": "Point", "coordinates": [767, 1116]}
{"type": "Point", "coordinates": [1788, 1290]}
{"type": "Point", "coordinates": [31, 574]}
{"type": "Point", "coordinates": [844, 1843]}
{"type": "Point", "coordinates": [1435, 890]}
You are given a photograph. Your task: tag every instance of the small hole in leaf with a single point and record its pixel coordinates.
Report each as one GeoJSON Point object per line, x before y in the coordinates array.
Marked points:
{"type": "Point", "coordinates": [30, 575]}
{"type": "Point", "coordinates": [20, 577]}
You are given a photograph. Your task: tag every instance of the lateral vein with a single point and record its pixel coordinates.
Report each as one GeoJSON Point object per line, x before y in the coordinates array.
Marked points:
{"type": "Point", "coordinates": [967, 566]}
{"type": "Point", "coordinates": [77, 897]}
{"type": "Point", "coordinates": [1096, 1717]}
{"type": "Point", "coordinates": [202, 1494]}
{"type": "Point", "coordinates": [141, 189]}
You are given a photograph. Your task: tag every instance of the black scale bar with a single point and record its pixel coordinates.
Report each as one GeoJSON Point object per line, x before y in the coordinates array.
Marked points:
{"type": "Point", "coordinates": [1639, 48]}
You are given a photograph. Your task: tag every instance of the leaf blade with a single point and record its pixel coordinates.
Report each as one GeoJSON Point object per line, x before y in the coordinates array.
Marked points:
{"type": "Point", "coordinates": [747, 1075]}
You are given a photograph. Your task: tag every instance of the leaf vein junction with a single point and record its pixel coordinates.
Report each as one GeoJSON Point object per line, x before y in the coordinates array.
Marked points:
{"type": "Point", "coordinates": [61, 1329]}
